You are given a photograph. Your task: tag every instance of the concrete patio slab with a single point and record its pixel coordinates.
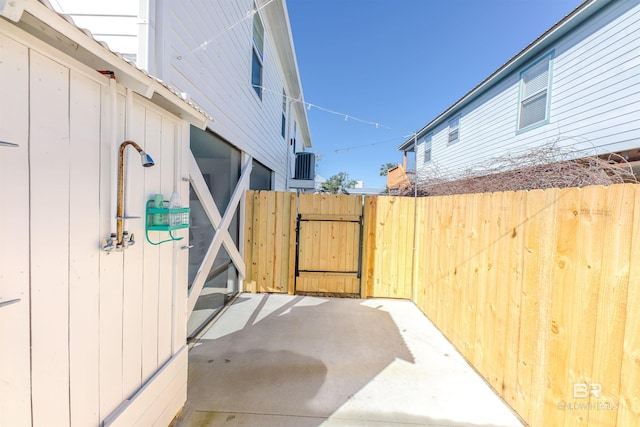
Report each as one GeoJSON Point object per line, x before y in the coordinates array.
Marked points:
{"type": "Point", "coordinates": [279, 360]}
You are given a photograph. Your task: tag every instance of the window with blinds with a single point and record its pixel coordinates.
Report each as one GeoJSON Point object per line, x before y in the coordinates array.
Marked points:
{"type": "Point", "coordinates": [257, 54]}
{"type": "Point", "coordinates": [425, 141]}
{"type": "Point", "coordinates": [454, 130]}
{"type": "Point", "coordinates": [534, 94]}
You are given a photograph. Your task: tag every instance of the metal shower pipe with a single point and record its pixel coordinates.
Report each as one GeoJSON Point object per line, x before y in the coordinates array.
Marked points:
{"type": "Point", "coordinates": [147, 161]}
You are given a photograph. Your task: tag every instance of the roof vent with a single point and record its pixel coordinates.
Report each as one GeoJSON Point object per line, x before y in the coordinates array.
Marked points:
{"type": "Point", "coordinates": [305, 166]}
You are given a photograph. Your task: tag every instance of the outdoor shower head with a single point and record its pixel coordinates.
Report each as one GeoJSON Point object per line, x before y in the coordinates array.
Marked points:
{"type": "Point", "coordinates": [144, 157]}
{"type": "Point", "coordinates": [147, 161]}
{"type": "Point", "coordinates": [120, 215]}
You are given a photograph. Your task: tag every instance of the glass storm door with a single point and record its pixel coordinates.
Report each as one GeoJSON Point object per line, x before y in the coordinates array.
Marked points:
{"type": "Point", "coordinates": [214, 231]}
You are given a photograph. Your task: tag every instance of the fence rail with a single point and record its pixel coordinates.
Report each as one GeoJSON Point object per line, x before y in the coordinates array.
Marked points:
{"type": "Point", "coordinates": [539, 290]}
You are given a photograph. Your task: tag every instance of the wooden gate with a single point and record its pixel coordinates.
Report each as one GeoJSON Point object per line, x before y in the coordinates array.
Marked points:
{"type": "Point", "coordinates": [329, 244]}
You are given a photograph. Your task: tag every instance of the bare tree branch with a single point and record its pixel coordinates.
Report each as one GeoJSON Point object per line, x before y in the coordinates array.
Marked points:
{"type": "Point", "coordinates": [544, 167]}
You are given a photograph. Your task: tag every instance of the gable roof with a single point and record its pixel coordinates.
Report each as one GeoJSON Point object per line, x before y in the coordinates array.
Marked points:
{"type": "Point", "coordinates": [559, 30]}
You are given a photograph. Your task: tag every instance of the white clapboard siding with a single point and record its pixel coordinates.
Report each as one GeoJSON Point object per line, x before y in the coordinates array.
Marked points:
{"type": "Point", "coordinates": [85, 341]}
{"type": "Point", "coordinates": [49, 220]}
{"type": "Point", "coordinates": [167, 269]}
{"type": "Point", "coordinates": [595, 99]}
{"type": "Point", "coordinates": [85, 106]}
{"type": "Point", "coordinates": [111, 270]}
{"type": "Point", "coordinates": [218, 76]}
{"type": "Point", "coordinates": [133, 266]}
{"type": "Point", "coordinates": [96, 7]}
{"type": "Point", "coordinates": [151, 260]}
{"type": "Point", "coordinates": [15, 372]}
{"type": "Point", "coordinates": [114, 22]}
{"type": "Point", "coordinates": [119, 32]}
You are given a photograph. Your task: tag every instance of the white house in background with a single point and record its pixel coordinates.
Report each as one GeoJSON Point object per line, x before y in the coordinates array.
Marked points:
{"type": "Point", "coordinates": [235, 59]}
{"type": "Point", "coordinates": [578, 85]}
{"type": "Point", "coordinates": [99, 337]}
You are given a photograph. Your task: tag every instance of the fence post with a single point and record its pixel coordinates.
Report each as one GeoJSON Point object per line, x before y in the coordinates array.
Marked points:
{"type": "Point", "coordinates": [369, 246]}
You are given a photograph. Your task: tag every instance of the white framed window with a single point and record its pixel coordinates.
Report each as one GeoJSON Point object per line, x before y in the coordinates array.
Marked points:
{"type": "Point", "coordinates": [425, 142]}
{"type": "Point", "coordinates": [454, 130]}
{"type": "Point", "coordinates": [257, 56]}
{"type": "Point", "coordinates": [535, 88]}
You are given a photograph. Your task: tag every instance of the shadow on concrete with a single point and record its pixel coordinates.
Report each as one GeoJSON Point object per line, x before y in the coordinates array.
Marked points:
{"type": "Point", "coordinates": [300, 360]}
{"type": "Point", "coordinates": [292, 361]}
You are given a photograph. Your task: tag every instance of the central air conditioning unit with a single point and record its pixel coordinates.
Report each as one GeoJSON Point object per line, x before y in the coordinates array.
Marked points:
{"type": "Point", "coordinates": [305, 166]}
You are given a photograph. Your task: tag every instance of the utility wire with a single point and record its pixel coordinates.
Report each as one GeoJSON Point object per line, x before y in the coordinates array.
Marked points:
{"type": "Point", "coordinates": [371, 144]}
{"type": "Point", "coordinates": [249, 15]}
{"type": "Point", "coordinates": [307, 105]}
{"type": "Point", "coordinates": [346, 117]}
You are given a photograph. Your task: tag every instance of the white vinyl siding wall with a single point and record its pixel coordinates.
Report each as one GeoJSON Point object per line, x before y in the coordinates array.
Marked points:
{"type": "Point", "coordinates": [115, 22]}
{"type": "Point", "coordinates": [594, 106]}
{"type": "Point", "coordinates": [218, 76]}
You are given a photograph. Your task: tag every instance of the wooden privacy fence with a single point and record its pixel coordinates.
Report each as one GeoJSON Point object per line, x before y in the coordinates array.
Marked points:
{"type": "Point", "coordinates": [329, 243]}
{"type": "Point", "coordinates": [539, 290]}
{"type": "Point", "coordinates": [270, 241]}
{"type": "Point", "coordinates": [307, 243]}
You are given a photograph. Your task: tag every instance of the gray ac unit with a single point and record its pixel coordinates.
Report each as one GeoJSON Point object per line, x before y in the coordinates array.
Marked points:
{"type": "Point", "coordinates": [305, 166]}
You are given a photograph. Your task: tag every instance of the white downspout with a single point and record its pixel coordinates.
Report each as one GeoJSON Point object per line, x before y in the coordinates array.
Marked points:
{"type": "Point", "coordinates": [128, 135]}
{"type": "Point", "coordinates": [114, 154]}
{"type": "Point", "coordinates": [291, 149]}
{"type": "Point", "coordinates": [142, 57]}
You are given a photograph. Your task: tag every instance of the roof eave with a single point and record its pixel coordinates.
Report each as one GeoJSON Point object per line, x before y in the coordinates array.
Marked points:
{"type": "Point", "coordinates": [275, 13]}
{"type": "Point", "coordinates": [408, 145]}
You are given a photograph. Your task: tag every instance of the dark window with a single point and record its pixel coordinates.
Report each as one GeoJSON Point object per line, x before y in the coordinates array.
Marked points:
{"type": "Point", "coordinates": [260, 178]}
{"type": "Point", "coordinates": [256, 74]}
{"type": "Point", "coordinates": [258, 53]}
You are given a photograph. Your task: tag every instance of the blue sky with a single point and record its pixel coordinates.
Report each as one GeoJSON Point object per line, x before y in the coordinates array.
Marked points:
{"type": "Point", "coordinates": [399, 63]}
